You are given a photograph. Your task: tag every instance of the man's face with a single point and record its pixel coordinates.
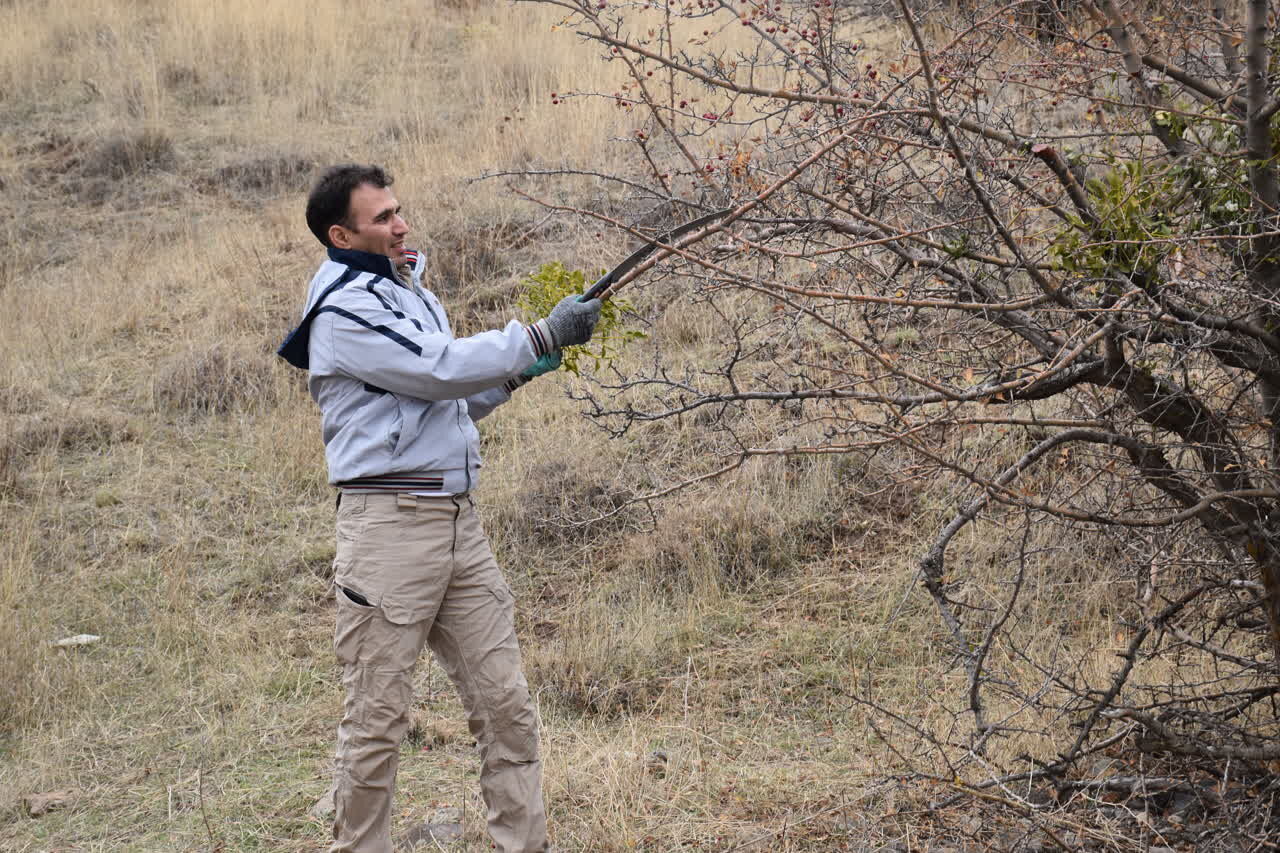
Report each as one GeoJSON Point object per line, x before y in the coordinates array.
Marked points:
{"type": "Point", "coordinates": [376, 225]}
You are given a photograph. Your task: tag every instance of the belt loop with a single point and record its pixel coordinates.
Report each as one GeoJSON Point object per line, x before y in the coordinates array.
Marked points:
{"type": "Point", "coordinates": [406, 501]}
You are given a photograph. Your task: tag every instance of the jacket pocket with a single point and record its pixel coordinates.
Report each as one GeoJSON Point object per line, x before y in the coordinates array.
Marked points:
{"type": "Point", "coordinates": [419, 446]}
{"type": "Point", "coordinates": [396, 430]}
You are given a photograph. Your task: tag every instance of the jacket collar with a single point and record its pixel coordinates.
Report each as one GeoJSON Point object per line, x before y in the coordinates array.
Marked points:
{"type": "Point", "coordinates": [365, 262]}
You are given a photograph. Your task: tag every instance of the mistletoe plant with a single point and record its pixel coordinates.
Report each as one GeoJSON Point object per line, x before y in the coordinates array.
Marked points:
{"type": "Point", "coordinates": [551, 283]}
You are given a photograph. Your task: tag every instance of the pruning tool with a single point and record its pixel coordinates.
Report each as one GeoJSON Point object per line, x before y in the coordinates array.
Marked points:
{"type": "Point", "coordinates": [608, 279]}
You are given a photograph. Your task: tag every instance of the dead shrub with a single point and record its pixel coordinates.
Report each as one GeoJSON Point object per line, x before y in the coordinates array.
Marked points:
{"type": "Point", "coordinates": [176, 77]}
{"type": "Point", "coordinates": [114, 170]}
{"type": "Point", "coordinates": [265, 176]}
{"type": "Point", "coordinates": [196, 87]}
{"type": "Point", "coordinates": [475, 264]}
{"type": "Point", "coordinates": [21, 399]}
{"type": "Point", "coordinates": [620, 653]}
{"type": "Point", "coordinates": [415, 128]}
{"type": "Point", "coordinates": [22, 439]}
{"type": "Point", "coordinates": [555, 499]}
{"type": "Point", "coordinates": [125, 156]}
{"type": "Point", "coordinates": [215, 380]}
{"type": "Point", "coordinates": [742, 537]}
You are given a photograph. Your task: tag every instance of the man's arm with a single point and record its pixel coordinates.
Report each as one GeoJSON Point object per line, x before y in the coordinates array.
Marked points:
{"type": "Point", "coordinates": [485, 402]}
{"type": "Point", "coordinates": [356, 335]}
{"type": "Point", "coordinates": [482, 404]}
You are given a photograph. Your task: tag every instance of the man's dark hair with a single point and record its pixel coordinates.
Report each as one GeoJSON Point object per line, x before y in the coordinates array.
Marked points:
{"type": "Point", "coordinates": [330, 200]}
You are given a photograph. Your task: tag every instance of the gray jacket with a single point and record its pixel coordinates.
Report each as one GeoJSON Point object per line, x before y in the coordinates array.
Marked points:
{"type": "Point", "coordinates": [398, 393]}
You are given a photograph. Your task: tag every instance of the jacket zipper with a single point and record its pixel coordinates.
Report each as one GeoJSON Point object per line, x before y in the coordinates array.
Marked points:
{"type": "Point", "coordinates": [457, 404]}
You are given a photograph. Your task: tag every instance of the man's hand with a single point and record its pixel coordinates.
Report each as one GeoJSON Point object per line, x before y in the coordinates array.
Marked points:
{"type": "Point", "coordinates": [544, 364]}
{"type": "Point", "coordinates": [571, 322]}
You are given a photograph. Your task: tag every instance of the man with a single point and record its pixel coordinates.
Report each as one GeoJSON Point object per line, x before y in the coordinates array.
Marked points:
{"type": "Point", "coordinates": [399, 395]}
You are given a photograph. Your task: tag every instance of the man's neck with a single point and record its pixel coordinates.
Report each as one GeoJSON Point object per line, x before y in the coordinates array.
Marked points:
{"type": "Point", "coordinates": [369, 262]}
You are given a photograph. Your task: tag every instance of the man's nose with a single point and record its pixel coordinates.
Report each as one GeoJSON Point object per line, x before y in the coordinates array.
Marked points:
{"type": "Point", "coordinates": [400, 227]}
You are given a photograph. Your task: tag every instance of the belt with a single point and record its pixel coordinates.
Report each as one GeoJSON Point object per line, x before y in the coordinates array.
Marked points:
{"type": "Point", "coordinates": [449, 481]}
{"type": "Point", "coordinates": [364, 485]}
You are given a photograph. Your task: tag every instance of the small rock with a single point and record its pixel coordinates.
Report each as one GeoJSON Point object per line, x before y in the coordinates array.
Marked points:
{"type": "Point", "coordinates": [78, 640]}
{"type": "Point", "coordinates": [446, 815]}
{"type": "Point", "coordinates": [324, 809]}
{"type": "Point", "coordinates": [655, 763]}
{"type": "Point", "coordinates": [433, 834]}
{"type": "Point", "coordinates": [104, 498]}
{"type": "Point", "coordinates": [41, 804]}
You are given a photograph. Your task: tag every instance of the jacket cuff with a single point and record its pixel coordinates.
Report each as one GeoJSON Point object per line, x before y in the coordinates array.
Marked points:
{"type": "Point", "coordinates": [541, 338]}
{"type": "Point", "coordinates": [515, 382]}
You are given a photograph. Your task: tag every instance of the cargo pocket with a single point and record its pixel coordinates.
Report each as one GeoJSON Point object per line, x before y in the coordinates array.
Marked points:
{"type": "Point", "coordinates": [512, 714]}
{"type": "Point", "coordinates": [350, 527]}
{"type": "Point", "coordinates": [349, 627]}
{"type": "Point", "coordinates": [354, 597]}
{"type": "Point", "coordinates": [507, 604]}
{"type": "Point", "coordinates": [406, 610]}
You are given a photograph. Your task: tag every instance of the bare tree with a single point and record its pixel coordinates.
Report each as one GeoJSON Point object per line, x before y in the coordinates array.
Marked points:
{"type": "Point", "coordinates": [1038, 253]}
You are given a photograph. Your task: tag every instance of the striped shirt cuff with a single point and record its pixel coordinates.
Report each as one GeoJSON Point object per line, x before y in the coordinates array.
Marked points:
{"type": "Point", "coordinates": [541, 338]}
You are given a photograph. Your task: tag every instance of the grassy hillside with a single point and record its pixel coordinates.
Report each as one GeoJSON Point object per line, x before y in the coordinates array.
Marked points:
{"type": "Point", "coordinates": [162, 481]}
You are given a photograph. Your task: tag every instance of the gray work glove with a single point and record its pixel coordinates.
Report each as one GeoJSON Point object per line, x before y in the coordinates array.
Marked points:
{"type": "Point", "coordinates": [571, 322]}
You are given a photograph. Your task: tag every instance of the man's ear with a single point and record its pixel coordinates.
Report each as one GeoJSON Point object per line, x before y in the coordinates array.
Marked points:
{"type": "Point", "coordinates": [339, 237]}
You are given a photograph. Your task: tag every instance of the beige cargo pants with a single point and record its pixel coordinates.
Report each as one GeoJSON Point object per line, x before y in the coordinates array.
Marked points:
{"type": "Point", "coordinates": [425, 568]}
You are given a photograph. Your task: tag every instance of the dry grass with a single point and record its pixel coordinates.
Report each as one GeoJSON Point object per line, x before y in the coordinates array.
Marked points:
{"type": "Point", "coordinates": [162, 483]}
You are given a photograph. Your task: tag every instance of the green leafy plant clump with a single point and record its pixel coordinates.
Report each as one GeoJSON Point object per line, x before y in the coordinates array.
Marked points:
{"type": "Point", "coordinates": [551, 283]}
{"type": "Point", "coordinates": [1135, 223]}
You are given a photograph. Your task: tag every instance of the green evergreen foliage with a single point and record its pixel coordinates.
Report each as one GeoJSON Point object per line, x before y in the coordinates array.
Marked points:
{"type": "Point", "coordinates": [551, 283]}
